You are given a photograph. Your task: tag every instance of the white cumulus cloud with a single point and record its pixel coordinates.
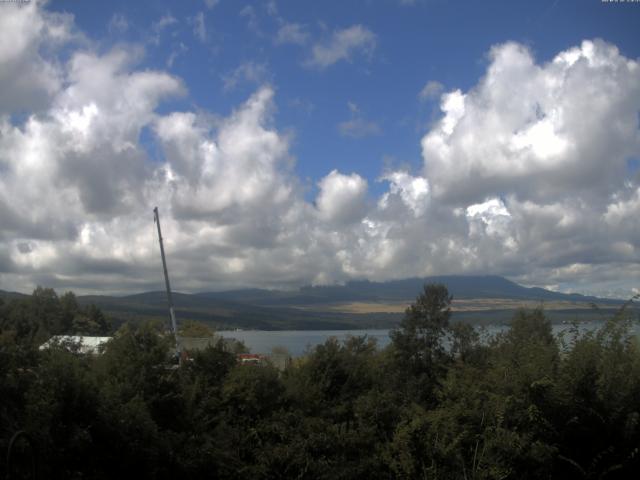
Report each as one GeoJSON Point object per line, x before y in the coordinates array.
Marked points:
{"type": "Point", "coordinates": [293, 33]}
{"type": "Point", "coordinates": [525, 174]}
{"type": "Point", "coordinates": [343, 45]}
{"type": "Point", "coordinates": [342, 198]}
{"type": "Point", "coordinates": [539, 131]}
{"type": "Point", "coordinates": [29, 76]}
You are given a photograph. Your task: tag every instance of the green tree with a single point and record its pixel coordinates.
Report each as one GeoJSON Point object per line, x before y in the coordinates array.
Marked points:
{"type": "Point", "coordinates": [70, 308]}
{"type": "Point", "coordinates": [418, 346]}
{"type": "Point", "coordinates": [191, 328]}
{"type": "Point", "coordinates": [599, 424]}
{"type": "Point", "coordinates": [47, 310]}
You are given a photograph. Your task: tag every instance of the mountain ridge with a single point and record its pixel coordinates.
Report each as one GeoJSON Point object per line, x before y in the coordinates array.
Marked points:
{"type": "Point", "coordinates": [460, 286]}
{"type": "Point", "coordinates": [354, 305]}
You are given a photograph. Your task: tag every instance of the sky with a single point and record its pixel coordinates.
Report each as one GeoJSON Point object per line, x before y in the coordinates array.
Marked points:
{"type": "Point", "coordinates": [291, 143]}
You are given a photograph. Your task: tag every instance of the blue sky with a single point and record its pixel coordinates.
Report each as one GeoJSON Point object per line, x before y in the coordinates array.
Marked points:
{"type": "Point", "coordinates": [415, 42]}
{"type": "Point", "coordinates": [296, 142]}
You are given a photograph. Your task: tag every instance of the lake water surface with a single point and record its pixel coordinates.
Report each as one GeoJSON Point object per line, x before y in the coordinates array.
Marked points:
{"type": "Point", "coordinates": [298, 342]}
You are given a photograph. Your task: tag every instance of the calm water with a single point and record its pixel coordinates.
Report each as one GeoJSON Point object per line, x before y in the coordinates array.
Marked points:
{"type": "Point", "coordinates": [297, 342]}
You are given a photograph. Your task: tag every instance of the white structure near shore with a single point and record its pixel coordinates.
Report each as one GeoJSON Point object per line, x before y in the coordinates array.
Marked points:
{"type": "Point", "coordinates": [78, 343]}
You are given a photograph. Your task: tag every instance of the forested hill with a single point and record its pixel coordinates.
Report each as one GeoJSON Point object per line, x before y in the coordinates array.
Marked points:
{"type": "Point", "coordinates": [358, 304]}
{"type": "Point", "coordinates": [10, 295]}
{"type": "Point", "coordinates": [460, 286]}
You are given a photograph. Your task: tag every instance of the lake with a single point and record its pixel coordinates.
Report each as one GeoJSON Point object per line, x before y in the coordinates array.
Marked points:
{"type": "Point", "coordinates": [298, 342]}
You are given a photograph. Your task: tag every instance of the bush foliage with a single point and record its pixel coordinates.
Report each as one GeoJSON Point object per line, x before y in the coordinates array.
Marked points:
{"type": "Point", "coordinates": [436, 403]}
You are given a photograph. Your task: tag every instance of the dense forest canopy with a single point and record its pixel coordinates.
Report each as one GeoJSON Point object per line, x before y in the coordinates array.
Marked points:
{"type": "Point", "coordinates": [436, 403]}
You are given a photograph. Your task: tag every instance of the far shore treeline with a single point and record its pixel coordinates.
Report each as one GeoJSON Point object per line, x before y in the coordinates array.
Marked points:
{"type": "Point", "coordinates": [524, 405]}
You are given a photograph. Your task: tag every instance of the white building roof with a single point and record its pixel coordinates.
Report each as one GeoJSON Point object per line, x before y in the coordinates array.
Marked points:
{"type": "Point", "coordinates": [84, 343]}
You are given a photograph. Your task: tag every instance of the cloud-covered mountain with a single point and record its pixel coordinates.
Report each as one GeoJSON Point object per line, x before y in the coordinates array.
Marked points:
{"type": "Point", "coordinates": [461, 287]}
{"type": "Point", "coordinates": [494, 300]}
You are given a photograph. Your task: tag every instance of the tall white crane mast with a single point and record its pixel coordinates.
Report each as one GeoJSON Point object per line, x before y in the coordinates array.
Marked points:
{"type": "Point", "coordinates": [174, 327]}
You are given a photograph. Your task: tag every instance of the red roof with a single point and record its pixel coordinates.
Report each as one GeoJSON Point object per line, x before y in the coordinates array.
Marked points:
{"type": "Point", "coordinates": [248, 356]}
